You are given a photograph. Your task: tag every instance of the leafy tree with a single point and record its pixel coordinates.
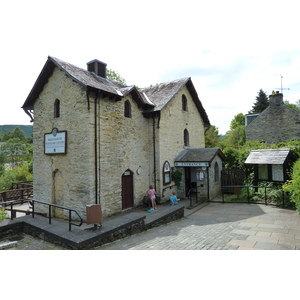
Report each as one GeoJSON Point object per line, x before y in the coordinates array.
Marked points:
{"type": "Point", "coordinates": [18, 173]}
{"type": "Point", "coordinates": [295, 106]}
{"type": "Point", "coordinates": [262, 102]}
{"type": "Point", "coordinates": [113, 75]}
{"type": "Point", "coordinates": [293, 186]}
{"type": "Point", "coordinates": [16, 133]}
{"type": "Point", "coordinates": [236, 135]}
{"type": "Point", "coordinates": [212, 137]}
{"type": "Point", "coordinates": [238, 120]}
{"type": "Point", "coordinates": [16, 151]}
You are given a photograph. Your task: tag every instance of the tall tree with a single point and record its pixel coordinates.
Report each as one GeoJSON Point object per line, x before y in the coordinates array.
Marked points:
{"type": "Point", "coordinates": [113, 75]}
{"type": "Point", "coordinates": [238, 120]}
{"type": "Point", "coordinates": [262, 102]}
{"type": "Point", "coordinates": [212, 137]}
{"type": "Point", "coordinates": [236, 137]}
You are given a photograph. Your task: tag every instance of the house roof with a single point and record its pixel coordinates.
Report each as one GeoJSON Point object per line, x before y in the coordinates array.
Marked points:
{"type": "Point", "coordinates": [268, 156]}
{"type": "Point", "coordinates": [199, 155]}
{"type": "Point", "coordinates": [161, 94]}
{"type": "Point", "coordinates": [151, 99]}
{"type": "Point", "coordinates": [79, 75]}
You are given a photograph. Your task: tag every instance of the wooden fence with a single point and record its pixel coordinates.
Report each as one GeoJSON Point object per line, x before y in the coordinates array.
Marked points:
{"type": "Point", "coordinates": [19, 190]}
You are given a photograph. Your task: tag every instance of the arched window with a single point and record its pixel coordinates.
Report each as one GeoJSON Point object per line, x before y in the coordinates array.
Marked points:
{"type": "Point", "coordinates": [184, 103]}
{"type": "Point", "coordinates": [166, 173]}
{"type": "Point", "coordinates": [186, 137]}
{"type": "Point", "coordinates": [56, 108]}
{"type": "Point", "coordinates": [127, 109]}
{"type": "Point", "coordinates": [216, 169]}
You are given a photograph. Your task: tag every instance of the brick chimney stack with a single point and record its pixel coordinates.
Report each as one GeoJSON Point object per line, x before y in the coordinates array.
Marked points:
{"type": "Point", "coordinates": [275, 100]}
{"type": "Point", "coordinates": [98, 67]}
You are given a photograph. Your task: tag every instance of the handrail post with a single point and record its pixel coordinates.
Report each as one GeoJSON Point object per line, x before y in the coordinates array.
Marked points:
{"type": "Point", "coordinates": [11, 211]}
{"type": "Point", "coordinates": [69, 220]}
{"type": "Point", "coordinates": [49, 214]}
{"type": "Point", "coordinates": [266, 195]}
{"type": "Point", "coordinates": [32, 208]}
{"type": "Point", "coordinates": [248, 195]}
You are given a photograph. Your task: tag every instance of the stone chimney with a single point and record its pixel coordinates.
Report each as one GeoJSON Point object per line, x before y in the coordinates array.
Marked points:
{"type": "Point", "coordinates": [275, 100]}
{"type": "Point", "coordinates": [98, 67]}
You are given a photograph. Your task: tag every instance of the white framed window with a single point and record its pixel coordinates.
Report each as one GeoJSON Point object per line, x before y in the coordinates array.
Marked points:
{"type": "Point", "coordinates": [166, 173]}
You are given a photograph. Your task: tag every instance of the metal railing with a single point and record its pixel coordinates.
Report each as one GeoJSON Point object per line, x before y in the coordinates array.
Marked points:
{"type": "Point", "coordinates": [237, 190]}
{"type": "Point", "coordinates": [33, 201]}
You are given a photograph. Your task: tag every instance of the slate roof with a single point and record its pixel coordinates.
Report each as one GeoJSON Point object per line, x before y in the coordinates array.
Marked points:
{"type": "Point", "coordinates": [268, 156]}
{"type": "Point", "coordinates": [151, 99]}
{"type": "Point", "coordinates": [79, 75]}
{"type": "Point", "coordinates": [199, 155]}
{"type": "Point", "coordinates": [161, 94]}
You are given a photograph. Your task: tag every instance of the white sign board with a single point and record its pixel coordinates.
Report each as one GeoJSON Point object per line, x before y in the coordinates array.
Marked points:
{"type": "Point", "coordinates": [277, 173]}
{"type": "Point", "coordinates": [56, 142]}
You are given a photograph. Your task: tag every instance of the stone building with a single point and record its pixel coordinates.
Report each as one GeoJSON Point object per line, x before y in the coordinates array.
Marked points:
{"type": "Point", "coordinates": [277, 123]}
{"type": "Point", "coordinates": [97, 141]}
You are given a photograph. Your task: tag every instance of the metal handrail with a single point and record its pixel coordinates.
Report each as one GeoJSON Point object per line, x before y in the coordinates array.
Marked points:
{"type": "Point", "coordinates": [32, 201]}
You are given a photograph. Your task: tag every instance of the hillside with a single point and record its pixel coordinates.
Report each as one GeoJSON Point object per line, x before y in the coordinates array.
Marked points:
{"type": "Point", "coordinates": [26, 128]}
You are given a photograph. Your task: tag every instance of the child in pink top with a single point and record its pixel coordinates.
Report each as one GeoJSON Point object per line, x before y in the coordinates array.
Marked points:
{"type": "Point", "coordinates": [152, 193]}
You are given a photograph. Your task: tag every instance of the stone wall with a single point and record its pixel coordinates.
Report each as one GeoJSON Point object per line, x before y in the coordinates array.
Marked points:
{"type": "Point", "coordinates": [215, 186]}
{"type": "Point", "coordinates": [171, 133]}
{"type": "Point", "coordinates": [277, 123]}
{"type": "Point", "coordinates": [124, 145]}
{"type": "Point", "coordinates": [63, 179]}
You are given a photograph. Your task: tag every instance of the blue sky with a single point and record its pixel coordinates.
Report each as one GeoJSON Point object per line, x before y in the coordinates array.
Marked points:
{"type": "Point", "coordinates": [230, 49]}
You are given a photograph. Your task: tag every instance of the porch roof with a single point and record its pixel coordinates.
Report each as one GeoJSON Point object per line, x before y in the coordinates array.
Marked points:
{"type": "Point", "coordinates": [268, 156]}
{"type": "Point", "coordinates": [199, 155]}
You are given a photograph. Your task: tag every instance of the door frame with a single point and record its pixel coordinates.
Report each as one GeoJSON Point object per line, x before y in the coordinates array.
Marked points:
{"type": "Point", "coordinates": [127, 189]}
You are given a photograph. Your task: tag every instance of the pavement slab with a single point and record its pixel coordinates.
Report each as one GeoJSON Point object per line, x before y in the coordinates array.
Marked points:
{"type": "Point", "coordinates": [214, 226]}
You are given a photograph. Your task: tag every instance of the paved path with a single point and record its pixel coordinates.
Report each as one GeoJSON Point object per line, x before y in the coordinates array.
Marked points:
{"type": "Point", "coordinates": [216, 226]}
{"type": "Point", "coordinates": [222, 227]}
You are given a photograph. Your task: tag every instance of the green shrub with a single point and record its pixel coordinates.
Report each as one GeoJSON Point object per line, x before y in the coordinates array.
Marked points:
{"type": "Point", "coordinates": [3, 214]}
{"type": "Point", "coordinates": [293, 186]}
{"type": "Point", "coordinates": [18, 173]}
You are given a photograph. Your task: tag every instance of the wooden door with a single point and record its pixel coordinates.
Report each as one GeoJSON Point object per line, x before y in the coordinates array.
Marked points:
{"type": "Point", "coordinates": [127, 189]}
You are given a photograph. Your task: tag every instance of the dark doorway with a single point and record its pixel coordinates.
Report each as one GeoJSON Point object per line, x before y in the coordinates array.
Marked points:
{"type": "Point", "coordinates": [127, 189]}
{"type": "Point", "coordinates": [187, 171]}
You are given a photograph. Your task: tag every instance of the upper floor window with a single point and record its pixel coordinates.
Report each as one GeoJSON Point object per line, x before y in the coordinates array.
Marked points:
{"type": "Point", "coordinates": [184, 103]}
{"type": "Point", "coordinates": [56, 108]}
{"type": "Point", "coordinates": [186, 137]}
{"type": "Point", "coordinates": [127, 109]}
{"type": "Point", "coordinates": [166, 173]}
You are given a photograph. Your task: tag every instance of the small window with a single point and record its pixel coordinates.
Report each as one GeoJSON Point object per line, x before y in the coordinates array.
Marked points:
{"type": "Point", "coordinates": [186, 137]}
{"type": "Point", "coordinates": [166, 173]}
{"type": "Point", "coordinates": [184, 103]}
{"type": "Point", "coordinates": [217, 175]}
{"type": "Point", "coordinates": [127, 109]}
{"type": "Point", "coordinates": [56, 108]}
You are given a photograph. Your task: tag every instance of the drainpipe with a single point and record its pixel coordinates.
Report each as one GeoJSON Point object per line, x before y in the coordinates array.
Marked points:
{"type": "Point", "coordinates": [95, 145]}
{"type": "Point", "coordinates": [154, 152]}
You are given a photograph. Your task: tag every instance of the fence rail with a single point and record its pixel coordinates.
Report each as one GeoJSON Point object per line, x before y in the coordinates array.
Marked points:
{"type": "Point", "coordinates": [252, 193]}
{"type": "Point", "coordinates": [19, 190]}
{"type": "Point", "coordinates": [16, 194]}
{"type": "Point", "coordinates": [33, 201]}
